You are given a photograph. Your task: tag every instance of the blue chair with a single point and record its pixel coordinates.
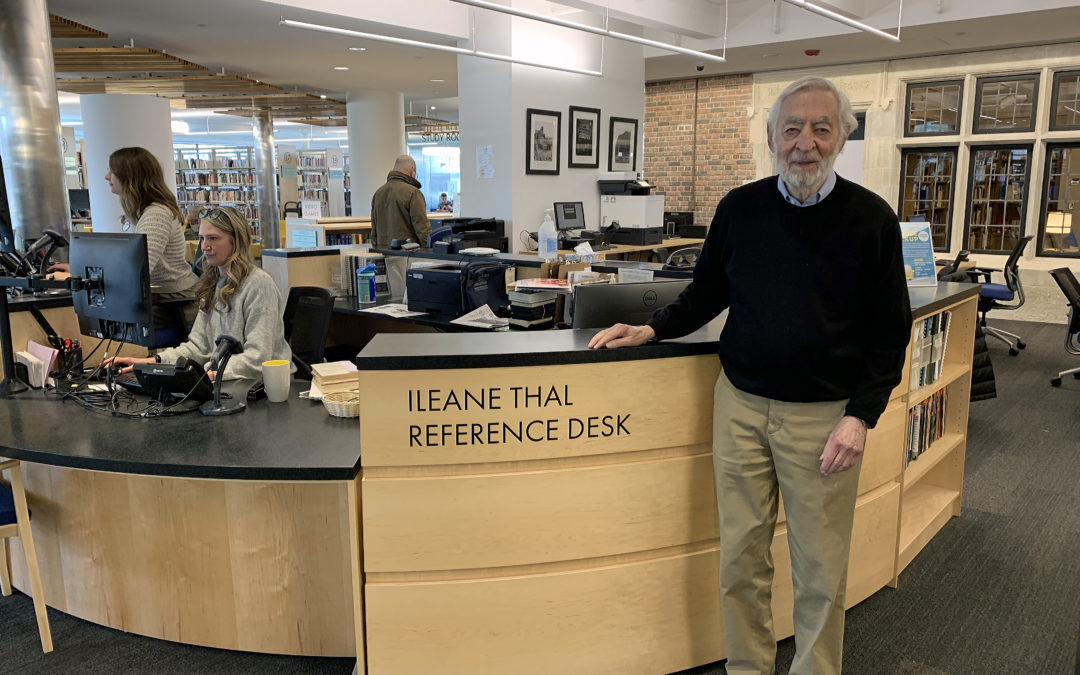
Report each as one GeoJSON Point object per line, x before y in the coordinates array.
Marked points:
{"type": "Point", "coordinates": [1009, 295]}
{"type": "Point", "coordinates": [15, 522]}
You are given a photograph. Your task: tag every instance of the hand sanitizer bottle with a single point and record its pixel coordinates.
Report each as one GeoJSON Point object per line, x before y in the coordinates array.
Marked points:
{"type": "Point", "coordinates": [548, 239]}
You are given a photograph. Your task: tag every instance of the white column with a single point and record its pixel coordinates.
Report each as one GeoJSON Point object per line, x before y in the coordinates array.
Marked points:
{"type": "Point", "coordinates": [114, 121]}
{"type": "Point", "coordinates": [376, 138]}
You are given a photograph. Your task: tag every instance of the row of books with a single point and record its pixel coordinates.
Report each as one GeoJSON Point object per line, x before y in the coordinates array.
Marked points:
{"type": "Point", "coordinates": [334, 239]}
{"type": "Point", "coordinates": [218, 163]}
{"type": "Point", "coordinates": [202, 194]}
{"type": "Point", "coordinates": [928, 347]}
{"type": "Point", "coordinates": [532, 308]}
{"type": "Point", "coordinates": [925, 424]}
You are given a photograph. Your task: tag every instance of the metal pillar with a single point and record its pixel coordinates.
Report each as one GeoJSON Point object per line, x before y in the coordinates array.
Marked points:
{"type": "Point", "coordinates": [30, 123]}
{"type": "Point", "coordinates": [265, 186]}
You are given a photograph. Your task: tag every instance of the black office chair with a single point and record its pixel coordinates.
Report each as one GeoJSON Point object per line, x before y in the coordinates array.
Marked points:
{"type": "Point", "coordinates": [1066, 281]}
{"type": "Point", "coordinates": [953, 266]}
{"type": "Point", "coordinates": [1009, 295]}
{"type": "Point", "coordinates": [683, 259]}
{"type": "Point", "coordinates": [307, 323]}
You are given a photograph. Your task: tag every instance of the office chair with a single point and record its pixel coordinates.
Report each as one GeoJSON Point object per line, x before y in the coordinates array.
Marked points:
{"type": "Point", "coordinates": [996, 296]}
{"type": "Point", "coordinates": [438, 234]}
{"type": "Point", "coordinates": [307, 323]}
{"type": "Point", "coordinates": [1071, 288]}
{"type": "Point", "coordinates": [683, 259]}
{"type": "Point", "coordinates": [950, 267]}
{"type": "Point", "coordinates": [15, 522]}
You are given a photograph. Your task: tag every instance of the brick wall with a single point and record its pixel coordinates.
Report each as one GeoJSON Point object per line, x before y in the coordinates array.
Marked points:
{"type": "Point", "coordinates": [689, 177]}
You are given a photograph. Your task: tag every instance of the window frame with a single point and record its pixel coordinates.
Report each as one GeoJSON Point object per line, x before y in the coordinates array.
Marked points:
{"type": "Point", "coordinates": [959, 108]}
{"type": "Point", "coordinates": [970, 187]}
{"type": "Point", "coordinates": [1055, 92]}
{"type": "Point", "coordinates": [904, 152]}
{"type": "Point", "coordinates": [1039, 250]}
{"type": "Point", "coordinates": [976, 113]}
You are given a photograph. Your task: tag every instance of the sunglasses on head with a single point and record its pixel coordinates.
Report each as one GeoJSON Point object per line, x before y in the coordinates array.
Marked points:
{"type": "Point", "coordinates": [212, 212]}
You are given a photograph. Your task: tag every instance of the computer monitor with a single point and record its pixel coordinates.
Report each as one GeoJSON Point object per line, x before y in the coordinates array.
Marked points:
{"type": "Point", "coordinates": [602, 305]}
{"type": "Point", "coordinates": [569, 216]}
{"type": "Point", "coordinates": [79, 201]}
{"type": "Point", "coordinates": [675, 220]}
{"type": "Point", "coordinates": [121, 308]}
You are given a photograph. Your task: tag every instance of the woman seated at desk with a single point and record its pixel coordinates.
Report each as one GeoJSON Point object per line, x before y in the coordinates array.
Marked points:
{"type": "Point", "coordinates": [150, 208]}
{"type": "Point", "coordinates": [234, 298]}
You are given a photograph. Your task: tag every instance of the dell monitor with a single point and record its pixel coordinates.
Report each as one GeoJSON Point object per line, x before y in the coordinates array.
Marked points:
{"type": "Point", "coordinates": [569, 216]}
{"type": "Point", "coordinates": [120, 307]}
{"type": "Point", "coordinates": [603, 305]}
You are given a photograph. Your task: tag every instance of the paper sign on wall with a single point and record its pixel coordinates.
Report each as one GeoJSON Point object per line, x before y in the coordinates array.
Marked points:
{"type": "Point", "coordinates": [310, 208]}
{"type": "Point", "coordinates": [918, 247]}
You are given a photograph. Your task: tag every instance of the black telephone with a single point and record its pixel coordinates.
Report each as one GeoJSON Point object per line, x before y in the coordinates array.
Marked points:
{"type": "Point", "coordinates": [167, 382]}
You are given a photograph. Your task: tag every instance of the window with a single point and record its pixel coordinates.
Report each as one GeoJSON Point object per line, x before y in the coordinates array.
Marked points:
{"type": "Point", "coordinates": [997, 195]}
{"type": "Point", "coordinates": [1059, 219]}
{"type": "Point", "coordinates": [933, 108]}
{"type": "Point", "coordinates": [1065, 106]}
{"type": "Point", "coordinates": [926, 190]}
{"type": "Point", "coordinates": [1004, 104]}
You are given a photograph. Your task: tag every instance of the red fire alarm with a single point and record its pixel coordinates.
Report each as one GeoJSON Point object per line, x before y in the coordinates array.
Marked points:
{"type": "Point", "coordinates": [812, 52]}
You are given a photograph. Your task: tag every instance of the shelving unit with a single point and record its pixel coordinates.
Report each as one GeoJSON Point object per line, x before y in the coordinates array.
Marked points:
{"type": "Point", "coordinates": [932, 483]}
{"type": "Point", "coordinates": [219, 177]}
{"type": "Point", "coordinates": [312, 177]}
{"type": "Point", "coordinates": [348, 187]}
{"type": "Point", "coordinates": [326, 232]}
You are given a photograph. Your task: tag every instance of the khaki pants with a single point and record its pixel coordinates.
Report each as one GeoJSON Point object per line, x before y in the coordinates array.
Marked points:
{"type": "Point", "coordinates": [759, 445]}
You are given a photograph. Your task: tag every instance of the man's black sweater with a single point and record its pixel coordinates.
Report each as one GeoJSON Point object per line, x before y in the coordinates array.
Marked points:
{"type": "Point", "coordinates": [818, 301]}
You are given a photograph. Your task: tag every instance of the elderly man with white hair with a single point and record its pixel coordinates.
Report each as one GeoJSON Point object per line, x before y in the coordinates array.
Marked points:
{"type": "Point", "coordinates": [398, 210]}
{"type": "Point", "coordinates": [810, 268]}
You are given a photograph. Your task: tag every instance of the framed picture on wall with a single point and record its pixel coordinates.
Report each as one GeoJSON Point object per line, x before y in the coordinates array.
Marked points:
{"type": "Point", "coordinates": [622, 139]}
{"type": "Point", "coordinates": [542, 141]}
{"type": "Point", "coordinates": [583, 138]}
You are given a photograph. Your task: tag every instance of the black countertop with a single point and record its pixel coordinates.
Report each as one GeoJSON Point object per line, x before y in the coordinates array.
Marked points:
{"type": "Point", "coordinates": [555, 347]}
{"type": "Point", "coordinates": [296, 440]}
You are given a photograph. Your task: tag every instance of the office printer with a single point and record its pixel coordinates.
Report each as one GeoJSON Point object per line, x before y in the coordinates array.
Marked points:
{"type": "Point", "coordinates": [435, 290]}
{"type": "Point", "coordinates": [451, 235]}
{"type": "Point", "coordinates": [622, 183]}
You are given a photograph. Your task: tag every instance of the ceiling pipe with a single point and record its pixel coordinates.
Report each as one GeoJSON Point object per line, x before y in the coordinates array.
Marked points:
{"type": "Point", "coordinates": [836, 16]}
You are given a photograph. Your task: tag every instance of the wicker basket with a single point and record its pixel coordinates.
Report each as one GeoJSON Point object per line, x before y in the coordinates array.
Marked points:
{"type": "Point", "coordinates": [342, 404]}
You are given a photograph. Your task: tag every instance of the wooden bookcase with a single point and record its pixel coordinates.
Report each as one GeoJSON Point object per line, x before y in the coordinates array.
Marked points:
{"type": "Point", "coordinates": [301, 233]}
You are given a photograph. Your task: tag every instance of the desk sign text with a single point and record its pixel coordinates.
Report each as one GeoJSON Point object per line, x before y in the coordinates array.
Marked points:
{"type": "Point", "coordinates": [556, 417]}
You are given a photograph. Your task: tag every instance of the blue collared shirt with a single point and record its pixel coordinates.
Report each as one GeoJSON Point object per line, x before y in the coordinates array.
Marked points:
{"type": "Point", "coordinates": [815, 198]}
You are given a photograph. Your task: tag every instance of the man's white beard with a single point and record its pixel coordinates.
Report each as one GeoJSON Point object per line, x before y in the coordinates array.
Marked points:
{"type": "Point", "coordinates": [798, 180]}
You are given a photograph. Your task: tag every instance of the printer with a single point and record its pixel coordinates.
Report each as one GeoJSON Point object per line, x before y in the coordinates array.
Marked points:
{"type": "Point", "coordinates": [451, 235]}
{"type": "Point", "coordinates": [625, 200]}
{"type": "Point", "coordinates": [435, 290]}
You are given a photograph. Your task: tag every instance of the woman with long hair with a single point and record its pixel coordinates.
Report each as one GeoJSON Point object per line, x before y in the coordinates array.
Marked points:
{"type": "Point", "coordinates": [150, 208]}
{"type": "Point", "coordinates": [235, 297]}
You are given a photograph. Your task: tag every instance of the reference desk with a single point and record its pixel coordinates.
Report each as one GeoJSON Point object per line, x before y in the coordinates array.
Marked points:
{"type": "Point", "coordinates": [235, 532]}
{"type": "Point", "coordinates": [501, 507]}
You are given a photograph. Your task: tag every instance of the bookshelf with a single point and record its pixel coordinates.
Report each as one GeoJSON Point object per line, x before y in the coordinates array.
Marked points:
{"type": "Point", "coordinates": [312, 177]}
{"type": "Point", "coordinates": [218, 176]}
{"type": "Point", "coordinates": [347, 186]}
{"type": "Point", "coordinates": [932, 483]}
{"type": "Point", "coordinates": [301, 233]}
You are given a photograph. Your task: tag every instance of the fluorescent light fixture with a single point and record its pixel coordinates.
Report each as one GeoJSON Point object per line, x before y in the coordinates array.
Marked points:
{"type": "Point", "coordinates": [341, 67]}
{"type": "Point", "coordinates": [483, 4]}
{"type": "Point", "coordinates": [436, 80]}
{"type": "Point", "coordinates": [357, 49]}
{"type": "Point", "coordinates": [836, 16]}
{"type": "Point", "coordinates": [431, 45]}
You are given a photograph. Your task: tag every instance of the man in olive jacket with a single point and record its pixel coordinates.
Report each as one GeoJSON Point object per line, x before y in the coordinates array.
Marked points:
{"type": "Point", "coordinates": [398, 210]}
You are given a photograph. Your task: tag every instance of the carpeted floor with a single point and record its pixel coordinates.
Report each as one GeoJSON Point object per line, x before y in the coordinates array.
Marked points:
{"type": "Point", "coordinates": [997, 591]}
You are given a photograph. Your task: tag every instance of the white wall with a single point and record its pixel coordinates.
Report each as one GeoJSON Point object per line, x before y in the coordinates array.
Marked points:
{"type": "Point", "coordinates": [493, 100]}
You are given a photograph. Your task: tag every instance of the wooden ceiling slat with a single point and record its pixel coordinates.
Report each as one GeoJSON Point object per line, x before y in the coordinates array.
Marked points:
{"type": "Point", "coordinates": [59, 27]}
{"type": "Point", "coordinates": [119, 60]}
{"type": "Point", "coordinates": [261, 101]}
{"type": "Point", "coordinates": [323, 121]}
{"type": "Point", "coordinates": [290, 112]}
{"type": "Point", "coordinates": [165, 86]}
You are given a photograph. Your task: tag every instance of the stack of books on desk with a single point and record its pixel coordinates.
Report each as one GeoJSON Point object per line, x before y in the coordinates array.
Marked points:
{"type": "Point", "coordinates": [532, 309]}
{"type": "Point", "coordinates": [335, 376]}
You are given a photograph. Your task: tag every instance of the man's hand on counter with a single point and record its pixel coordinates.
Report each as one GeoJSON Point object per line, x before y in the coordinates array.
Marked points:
{"type": "Point", "coordinates": [622, 335]}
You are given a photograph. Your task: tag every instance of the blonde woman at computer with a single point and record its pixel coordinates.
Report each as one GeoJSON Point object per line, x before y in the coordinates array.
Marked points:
{"type": "Point", "coordinates": [235, 297]}
{"type": "Point", "coordinates": [150, 208]}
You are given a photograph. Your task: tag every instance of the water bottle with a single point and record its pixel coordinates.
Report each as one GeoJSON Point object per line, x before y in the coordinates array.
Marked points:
{"type": "Point", "coordinates": [365, 285]}
{"type": "Point", "coordinates": [548, 238]}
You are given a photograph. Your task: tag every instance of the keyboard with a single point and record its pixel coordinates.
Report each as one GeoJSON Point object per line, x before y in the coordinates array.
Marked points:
{"type": "Point", "coordinates": [128, 381]}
